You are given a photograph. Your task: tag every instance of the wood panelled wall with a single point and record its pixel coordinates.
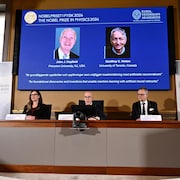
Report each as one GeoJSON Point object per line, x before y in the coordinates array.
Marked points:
{"type": "Point", "coordinates": [115, 101]}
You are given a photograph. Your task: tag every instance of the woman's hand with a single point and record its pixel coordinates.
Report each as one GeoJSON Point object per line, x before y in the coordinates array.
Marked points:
{"type": "Point", "coordinates": [29, 117]}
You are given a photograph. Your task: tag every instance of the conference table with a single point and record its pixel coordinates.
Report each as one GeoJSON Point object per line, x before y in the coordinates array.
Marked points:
{"type": "Point", "coordinates": [103, 147]}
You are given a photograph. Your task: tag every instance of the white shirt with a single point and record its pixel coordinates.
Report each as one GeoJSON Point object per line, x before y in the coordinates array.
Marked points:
{"type": "Point", "coordinates": [62, 55]}
{"type": "Point", "coordinates": [123, 50]}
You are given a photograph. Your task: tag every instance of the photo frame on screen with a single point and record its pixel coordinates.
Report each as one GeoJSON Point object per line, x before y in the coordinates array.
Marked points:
{"type": "Point", "coordinates": [74, 47]}
{"type": "Point", "coordinates": [121, 40]}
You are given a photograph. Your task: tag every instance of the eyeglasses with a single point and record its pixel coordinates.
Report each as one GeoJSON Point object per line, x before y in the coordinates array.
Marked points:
{"type": "Point", "coordinates": [34, 94]}
{"type": "Point", "coordinates": [141, 94]}
{"type": "Point", "coordinates": [87, 96]}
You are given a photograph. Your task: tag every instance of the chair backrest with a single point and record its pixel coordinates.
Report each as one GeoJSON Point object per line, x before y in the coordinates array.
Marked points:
{"type": "Point", "coordinates": [49, 107]}
{"type": "Point", "coordinates": [99, 103]}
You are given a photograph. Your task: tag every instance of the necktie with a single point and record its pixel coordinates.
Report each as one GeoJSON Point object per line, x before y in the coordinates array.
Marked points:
{"type": "Point", "coordinates": [65, 56]}
{"type": "Point", "coordinates": [143, 108]}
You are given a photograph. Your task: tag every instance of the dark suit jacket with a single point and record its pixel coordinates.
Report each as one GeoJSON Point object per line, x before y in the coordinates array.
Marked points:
{"type": "Point", "coordinates": [136, 109]}
{"type": "Point", "coordinates": [41, 112]}
{"type": "Point", "coordinates": [72, 55]}
{"type": "Point", "coordinates": [99, 112]}
{"type": "Point", "coordinates": [111, 54]}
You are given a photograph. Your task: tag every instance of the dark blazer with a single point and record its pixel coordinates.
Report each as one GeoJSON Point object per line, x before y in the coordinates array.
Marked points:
{"type": "Point", "coordinates": [72, 55]}
{"type": "Point", "coordinates": [111, 54]}
{"type": "Point", "coordinates": [99, 112]}
{"type": "Point", "coordinates": [41, 112]}
{"type": "Point", "coordinates": [98, 107]}
{"type": "Point", "coordinates": [136, 109]}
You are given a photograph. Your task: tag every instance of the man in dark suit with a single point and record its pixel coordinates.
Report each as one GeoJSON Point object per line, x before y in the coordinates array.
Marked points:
{"type": "Point", "coordinates": [143, 106]}
{"type": "Point", "coordinates": [67, 41]}
{"type": "Point", "coordinates": [88, 100]}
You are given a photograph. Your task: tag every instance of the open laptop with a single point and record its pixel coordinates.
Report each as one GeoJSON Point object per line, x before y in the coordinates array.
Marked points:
{"type": "Point", "coordinates": [150, 118]}
{"type": "Point", "coordinates": [15, 117]}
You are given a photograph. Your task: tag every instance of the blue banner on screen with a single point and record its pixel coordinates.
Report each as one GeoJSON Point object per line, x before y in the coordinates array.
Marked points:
{"type": "Point", "coordinates": [94, 49]}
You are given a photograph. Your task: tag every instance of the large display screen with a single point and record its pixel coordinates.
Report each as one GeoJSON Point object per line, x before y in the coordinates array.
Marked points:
{"type": "Point", "coordinates": [94, 49]}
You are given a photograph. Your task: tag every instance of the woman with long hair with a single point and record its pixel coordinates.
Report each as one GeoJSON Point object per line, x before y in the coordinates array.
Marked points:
{"type": "Point", "coordinates": [35, 109]}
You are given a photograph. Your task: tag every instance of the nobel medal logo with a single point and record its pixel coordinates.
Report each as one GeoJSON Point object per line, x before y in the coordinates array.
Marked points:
{"type": "Point", "coordinates": [30, 17]}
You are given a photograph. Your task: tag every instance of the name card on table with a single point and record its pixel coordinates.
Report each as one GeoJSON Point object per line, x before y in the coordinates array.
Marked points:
{"type": "Point", "coordinates": [66, 116]}
{"type": "Point", "coordinates": [150, 118]}
{"type": "Point", "coordinates": [15, 117]}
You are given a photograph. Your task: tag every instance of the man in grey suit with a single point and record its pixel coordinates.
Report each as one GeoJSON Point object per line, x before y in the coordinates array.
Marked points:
{"type": "Point", "coordinates": [143, 106]}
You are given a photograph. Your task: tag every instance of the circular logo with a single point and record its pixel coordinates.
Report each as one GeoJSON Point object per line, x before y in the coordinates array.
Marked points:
{"type": "Point", "coordinates": [30, 17]}
{"type": "Point", "coordinates": [136, 14]}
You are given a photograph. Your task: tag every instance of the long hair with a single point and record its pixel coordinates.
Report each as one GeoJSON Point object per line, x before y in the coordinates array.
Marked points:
{"type": "Point", "coordinates": [30, 102]}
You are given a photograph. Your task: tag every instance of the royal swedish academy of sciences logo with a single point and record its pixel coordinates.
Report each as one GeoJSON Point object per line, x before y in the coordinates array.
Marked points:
{"type": "Point", "coordinates": [136, 14]}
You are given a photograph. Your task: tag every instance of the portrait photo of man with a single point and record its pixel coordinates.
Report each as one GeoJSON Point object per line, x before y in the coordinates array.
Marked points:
{"type": "Point", "coordinates": [67, 42]}
{"type": "Point", "coordinates": [117, 42]}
